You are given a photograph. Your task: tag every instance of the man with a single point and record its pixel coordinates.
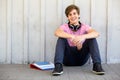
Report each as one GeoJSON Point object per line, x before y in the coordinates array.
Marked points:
{"type": "Point", "coordinates": [76, 43]}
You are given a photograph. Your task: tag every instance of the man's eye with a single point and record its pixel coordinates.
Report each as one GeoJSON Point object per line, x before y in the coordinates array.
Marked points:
{"type": "Point", "coordinates": [74, 13]}
{"type": "Point", "coordinates": [70, 14]}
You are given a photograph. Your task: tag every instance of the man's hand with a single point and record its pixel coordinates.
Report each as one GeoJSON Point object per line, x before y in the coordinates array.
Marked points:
{"type": "Point", "coordinates": [78, 41]}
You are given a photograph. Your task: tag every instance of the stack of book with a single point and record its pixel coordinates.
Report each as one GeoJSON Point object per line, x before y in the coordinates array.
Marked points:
{"type": "Point", "coordinates": [42, 65]}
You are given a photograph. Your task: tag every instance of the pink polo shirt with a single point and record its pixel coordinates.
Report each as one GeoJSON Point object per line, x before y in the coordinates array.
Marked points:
{"type": "Point", "coordinates": [83, 30]}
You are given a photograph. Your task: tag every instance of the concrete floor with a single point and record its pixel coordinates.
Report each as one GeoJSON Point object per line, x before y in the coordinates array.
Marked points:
{"type": "Point", "coordinates": [24, 72]}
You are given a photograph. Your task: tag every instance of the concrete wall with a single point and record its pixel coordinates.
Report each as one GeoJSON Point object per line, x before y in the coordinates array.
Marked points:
{"type": "Point", "coordinates": [27, 28]}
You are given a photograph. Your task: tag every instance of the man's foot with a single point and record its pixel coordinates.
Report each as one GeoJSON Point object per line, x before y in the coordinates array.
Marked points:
{"type": "Point", "coordinates": [58, 70]}
{"type": "Point", "coordinates": [97, 69]}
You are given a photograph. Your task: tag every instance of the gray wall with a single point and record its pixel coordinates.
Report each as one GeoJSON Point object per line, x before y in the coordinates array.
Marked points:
{"type": "Point", "coordinates": [27, 28]}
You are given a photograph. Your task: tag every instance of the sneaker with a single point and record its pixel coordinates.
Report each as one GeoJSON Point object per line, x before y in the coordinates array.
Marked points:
{"type": "Point", "coordinates": [58, 70]}
{"type": "Point", "coordinates": [97, 69]}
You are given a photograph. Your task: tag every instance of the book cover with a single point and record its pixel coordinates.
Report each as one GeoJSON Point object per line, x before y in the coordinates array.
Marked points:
{"type": "Point", "coordinates": [42, 65]}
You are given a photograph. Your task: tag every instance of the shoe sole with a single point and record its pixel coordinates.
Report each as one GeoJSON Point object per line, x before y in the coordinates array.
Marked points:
{"type": "Point", "coordinates": [56, 74]}
{"type": "Point", "coordinates": [99, 73]}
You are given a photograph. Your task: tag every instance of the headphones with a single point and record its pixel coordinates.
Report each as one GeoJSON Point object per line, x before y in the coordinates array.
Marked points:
{"type": "Point", "coordinates": [74, 27]}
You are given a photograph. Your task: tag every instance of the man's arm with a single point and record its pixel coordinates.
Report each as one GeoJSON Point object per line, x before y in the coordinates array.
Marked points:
{"type": "Point", "coordinates": [90, 34]}
{"type": "Point", "coordinates": [60, 33]}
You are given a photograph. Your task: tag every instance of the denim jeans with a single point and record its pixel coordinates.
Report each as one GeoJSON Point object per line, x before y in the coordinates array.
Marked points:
{"type": "Point", "coordinates": [70, 56]}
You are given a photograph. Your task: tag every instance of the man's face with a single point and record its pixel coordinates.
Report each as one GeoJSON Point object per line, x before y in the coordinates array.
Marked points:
{"type": "Point", "coordinates": [73, 17]}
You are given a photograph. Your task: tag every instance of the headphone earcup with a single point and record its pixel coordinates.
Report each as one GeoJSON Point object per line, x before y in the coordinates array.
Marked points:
{"type": "Point", "coordinates": [71, 27]}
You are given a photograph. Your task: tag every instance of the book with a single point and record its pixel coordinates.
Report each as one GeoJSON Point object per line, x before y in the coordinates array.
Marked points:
{"type": "Point", "coordinates": [42, 65]}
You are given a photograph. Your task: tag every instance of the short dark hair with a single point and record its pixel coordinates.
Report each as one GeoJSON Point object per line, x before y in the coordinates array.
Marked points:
{"type": "Point", "coordinates": [70, 8]}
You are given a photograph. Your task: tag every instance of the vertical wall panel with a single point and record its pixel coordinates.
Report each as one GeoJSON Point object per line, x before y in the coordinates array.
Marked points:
{"type": "Point", "coordinates": [98, 22]}
{"type": "Point", "coordinates": [9, 25]}
{"type": "Point", "coordinates": [17, 31]}
{"type": "Point", "coordinates": [42, 30]}
{"type": "Point", "coordinates": [59, 12]}
{"type": "Point", "coordinates": [25, 31]}
{"type": "Point", "coordinates": [34, 30]}
{"type": "Point", "coordinates": [3, 31]}
{"type": "Point", "coordinates": [51, 23]}
{"type": "Point", "coordinates": [113, 43]}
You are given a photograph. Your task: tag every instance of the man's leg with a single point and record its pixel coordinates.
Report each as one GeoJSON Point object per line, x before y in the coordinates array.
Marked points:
{"type": "Point", "coordinates": [95, 55]}
{"type": "Point", "coordinates": [59, 55]}
{"type": "Point", "coordinates": [60, 49]}
{"type": "Point", "coordinates": [94, 50]}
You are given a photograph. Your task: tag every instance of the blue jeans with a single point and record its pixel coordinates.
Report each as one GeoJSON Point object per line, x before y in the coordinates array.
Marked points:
{"type": "Point", "coordinates": [70, 56]}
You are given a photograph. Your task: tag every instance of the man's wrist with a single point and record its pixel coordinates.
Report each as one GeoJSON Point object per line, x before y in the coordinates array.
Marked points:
{"type": "Point", "coordinates": [84, 36]}
{"type": "Point", "coordinates": [72, 37]}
